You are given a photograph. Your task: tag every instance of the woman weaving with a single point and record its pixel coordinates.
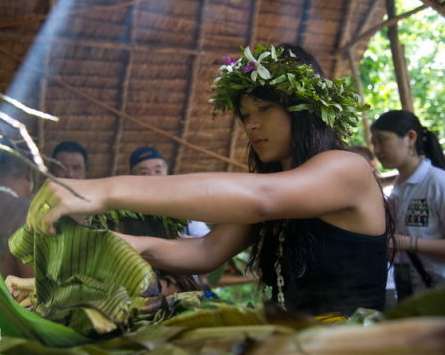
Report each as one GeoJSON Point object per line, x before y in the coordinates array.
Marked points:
{"type": "Point", "coordinates": [313, 213]}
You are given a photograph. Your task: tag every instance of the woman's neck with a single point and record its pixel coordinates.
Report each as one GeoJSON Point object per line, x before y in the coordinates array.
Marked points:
{"type": "Point", "coordinates": [408, 168]}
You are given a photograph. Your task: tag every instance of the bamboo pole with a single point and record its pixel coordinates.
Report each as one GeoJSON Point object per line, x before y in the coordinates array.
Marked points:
{"type": "Point", "coordinates": [358, 83]}
{"type": "Point", "coordinates": [398, 58]}
{"type": "Point", "coordinates": [109, 108]}
{"type": "Point", "coordinates": [390, 22]}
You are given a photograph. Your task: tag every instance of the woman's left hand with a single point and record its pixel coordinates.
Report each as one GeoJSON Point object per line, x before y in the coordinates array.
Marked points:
{"type": "Point", "coordinates": [54, 201]}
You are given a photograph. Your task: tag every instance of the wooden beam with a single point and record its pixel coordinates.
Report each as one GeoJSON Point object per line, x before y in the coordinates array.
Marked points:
{"type": "Point", "coordinates": [250, 41]}
{"type": "Point", "coordinates": [375, 29]}
{"type": "Point", "coordinates": [21, 21]}
{"type": "Point", "coordinates": [110, 108]}
{"type": "Point", "coordinates": [358, 82]}
{"type": "Point", "coordinates": [366, 19]}
{"type": "Point", "coordinates": [398, 58]}
{"type": "Point", "coordinates": [440, 8]}
{"type": "Point", "coordinates": [58, 41]}
{"type": "Point", "coordinates": [101, 8]}
{"type": "Point", "coordinates": [303, 22]}
{"type": "Point", "coordinates": [29, 19]}
{"type": "Point", "coordinates": [43, 89]}
{"type": "Point", "coordinates": [345, 29]}
{"type": "Point", "coordinates": [192, 87]}
{"type": "Point", "coordinates": [120, 121]}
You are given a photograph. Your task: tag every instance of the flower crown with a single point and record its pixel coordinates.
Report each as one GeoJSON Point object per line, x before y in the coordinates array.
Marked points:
{"type": "Point", "coordinates": [334, 101]}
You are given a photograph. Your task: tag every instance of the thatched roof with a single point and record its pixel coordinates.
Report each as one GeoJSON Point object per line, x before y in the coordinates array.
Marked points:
{"type": "Point", "coordinates": [121, 74]}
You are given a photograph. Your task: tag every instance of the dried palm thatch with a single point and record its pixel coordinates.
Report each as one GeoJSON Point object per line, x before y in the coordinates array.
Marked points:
{"type": "Point", "coordinates": [125, 74]}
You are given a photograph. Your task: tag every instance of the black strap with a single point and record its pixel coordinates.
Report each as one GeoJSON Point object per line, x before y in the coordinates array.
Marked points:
{"type": "Point", "coordinates": [418, 265]}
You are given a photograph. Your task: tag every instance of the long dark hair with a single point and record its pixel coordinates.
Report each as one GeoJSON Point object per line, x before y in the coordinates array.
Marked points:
{"type": "Point", "coordinates": [401, 122]}
{"type": "Point", "coordinates": [309, 137]}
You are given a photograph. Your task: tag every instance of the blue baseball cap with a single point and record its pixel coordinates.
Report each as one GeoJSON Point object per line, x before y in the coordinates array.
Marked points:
{"type": "Point", "coordinates": [143, 153]}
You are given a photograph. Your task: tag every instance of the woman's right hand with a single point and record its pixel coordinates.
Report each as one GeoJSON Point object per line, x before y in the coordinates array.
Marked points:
{"type": "Point", "coordinates": [54, 201]}
{"type": "Point", "coordinates": [21, 289]}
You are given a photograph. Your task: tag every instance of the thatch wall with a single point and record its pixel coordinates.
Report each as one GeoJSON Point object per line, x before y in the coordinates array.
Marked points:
{"type": "Point", "coordinates": [118, 72]}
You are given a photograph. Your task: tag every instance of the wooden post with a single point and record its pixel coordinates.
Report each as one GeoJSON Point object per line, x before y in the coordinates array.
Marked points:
{"type": "Point", "coordinates": [125, 79]}
{"type": "Point", "coordinates": [192, 89]}
{"type": "Point", "coordinates": [398, 58]}
{"type": "Point", "coordinates": [250, 41]}
{"type": "Point", "coordinates": [344, 32]}
{"type": "Point", "coordinates": [358, 83]}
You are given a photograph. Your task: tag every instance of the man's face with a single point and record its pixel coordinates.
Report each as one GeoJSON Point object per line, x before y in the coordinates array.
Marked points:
{"type": "Point", "coordinates": [150, 167]}
{"type": "Point", "coordinates": [74, 166]}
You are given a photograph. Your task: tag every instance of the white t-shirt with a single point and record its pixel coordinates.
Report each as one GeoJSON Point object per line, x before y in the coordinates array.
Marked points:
{"type": "Point", "coordinates": [418, 206]}
{"type": "Point", "coordinates": [195, 229]}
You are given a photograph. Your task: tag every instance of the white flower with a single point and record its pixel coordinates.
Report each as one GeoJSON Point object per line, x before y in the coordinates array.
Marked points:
{"type": "Point", "coordinates": [273, 53]}
{"type": "Point", "coordinates": [261, 70]}
{"type": "Point", "coordinates": [228, 68]}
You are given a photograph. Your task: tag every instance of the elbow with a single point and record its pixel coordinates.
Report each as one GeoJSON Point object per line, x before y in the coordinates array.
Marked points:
{"type": "Point", "coordinates": [263, 211]}
{"type": "Point", "coordinates": [264, 206]}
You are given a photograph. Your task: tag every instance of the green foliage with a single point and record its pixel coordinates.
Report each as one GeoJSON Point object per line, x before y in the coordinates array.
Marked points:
{"type": "Point", "coordinates": [90, 280]}
{"type": "Point", "coordinates": [111, 219]}
{"type": "Point", "coordinates": [423, 36]}
{"type": "Point", "coordinates": [245, 294]}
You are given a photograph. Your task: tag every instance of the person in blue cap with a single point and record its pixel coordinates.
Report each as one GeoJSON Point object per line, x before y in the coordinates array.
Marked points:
{"type": "Point", "coordinates": [148, 161]}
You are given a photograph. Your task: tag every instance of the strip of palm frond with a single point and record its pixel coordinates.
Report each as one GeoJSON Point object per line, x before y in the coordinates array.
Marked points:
{"type": "Point", "coordinates": [82, 269]}
{"type": "Point", "coordinates": [214, 314]}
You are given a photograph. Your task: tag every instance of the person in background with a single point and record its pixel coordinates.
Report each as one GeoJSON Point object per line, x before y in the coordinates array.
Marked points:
{"type": "Point", "coordinates": [16, 184]}
{"type": "Point", "coordinates": [72, 160]}
{"type": "Point", "coordinates": [417, 199]}
{"type": "Point", "coordinates": [147, 161]}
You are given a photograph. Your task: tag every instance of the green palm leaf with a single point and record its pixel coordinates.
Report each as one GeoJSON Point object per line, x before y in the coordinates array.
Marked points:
{"type": "Point", "coordinates": [87, 279]}
{"type": "Point", "coordinates": [16, 321]}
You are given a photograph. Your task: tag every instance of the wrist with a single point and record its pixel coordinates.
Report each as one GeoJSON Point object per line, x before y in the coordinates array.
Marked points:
{"type": "Point", "coordinates": [403, 242]}
{"type": "Point", "coordinates": [413, 244]}
{"type": "Point", "coordinates": [111, 196]}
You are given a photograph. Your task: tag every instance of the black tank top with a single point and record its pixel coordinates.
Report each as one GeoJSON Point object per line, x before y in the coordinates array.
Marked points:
{"type": "Point", "coordinates": [346, 271]}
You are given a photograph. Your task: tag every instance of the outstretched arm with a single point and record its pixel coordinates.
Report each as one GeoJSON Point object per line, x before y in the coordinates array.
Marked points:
{"type": "Point", "coordinates": [190, 256]}
{"type": "Point", "coordinates": [329, 182]}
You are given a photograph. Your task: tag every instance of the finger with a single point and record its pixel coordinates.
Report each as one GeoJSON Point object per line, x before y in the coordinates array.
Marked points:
{"type": "Point", "coordinates": [48, 221]}
{"type": "Point", "coordinates": [26, 302]}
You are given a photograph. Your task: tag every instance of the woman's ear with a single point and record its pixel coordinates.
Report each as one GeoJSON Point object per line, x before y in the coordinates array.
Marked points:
{"type": "Point", "coordinates": [412, 136]}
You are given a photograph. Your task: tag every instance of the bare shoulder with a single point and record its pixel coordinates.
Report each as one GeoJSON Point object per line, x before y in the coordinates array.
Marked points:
{"type": "Point", "coordinates": [348, 165]}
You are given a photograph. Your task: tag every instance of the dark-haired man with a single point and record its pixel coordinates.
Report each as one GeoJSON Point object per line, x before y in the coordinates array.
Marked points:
{"type": "Point", "coordinates": [73, 160]}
